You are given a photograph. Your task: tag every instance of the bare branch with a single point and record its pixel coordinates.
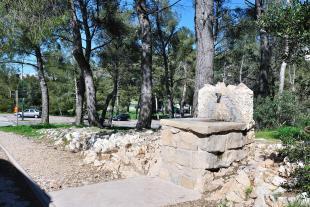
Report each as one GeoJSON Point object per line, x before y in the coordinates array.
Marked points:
{"type": "Point", "coordinates": [173, 32]}
{"type": "Point", "coordinates": [164, 8]}
{"type": "Point", "coordinates": [249, 3]}
{"type": "Point", "coordinates": [63, 37]}
{"type": "Point", "coordinates": [18, 62]}
{"type": "Point", "coordinates": [103, 45]}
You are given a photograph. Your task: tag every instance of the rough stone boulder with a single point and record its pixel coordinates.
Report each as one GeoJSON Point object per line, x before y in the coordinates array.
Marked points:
{"type": "Point", "coordinates": [226, 103]}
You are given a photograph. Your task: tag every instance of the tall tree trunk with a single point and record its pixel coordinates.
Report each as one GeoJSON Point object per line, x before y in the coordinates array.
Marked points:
{"type": "Point", "coordinates": [283, 66]}
{"type": "Point", "coordinates": [184, 90]}
{"type": "Point", "coordinates": [83, 62]}
{"type": "Point", "coordinates": [265, 56]}
{"type": "Point", "coordinates": [205, 47]}
{"type": "Point", "coordinates": [166, 67]}
{"type": "Point", "coordinates": [145, 114]}
{"type": "Point", "coordinates": [43, 86]}
{"type": "Point", "coordinates": [79, 98]}
{"type": "Point", "coordinates": [110, 96]}
{"type": "Point", "coordinates": [292, 77]}
{"type": "Point", "coordinates": [112, 107]}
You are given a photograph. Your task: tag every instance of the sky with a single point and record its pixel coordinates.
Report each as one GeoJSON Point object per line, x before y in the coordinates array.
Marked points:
{"type": "Point", "coordinates": [185, 12]}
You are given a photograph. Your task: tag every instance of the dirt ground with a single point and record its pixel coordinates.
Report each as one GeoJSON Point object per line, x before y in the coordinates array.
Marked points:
{"type": "Point", "coordinates": [53, 169]}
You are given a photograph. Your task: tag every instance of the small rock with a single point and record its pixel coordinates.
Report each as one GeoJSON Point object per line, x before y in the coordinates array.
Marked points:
{"type": "Point", "coordinates": [98, 163]}
{"type": "Point", "coordinates": [278, 181]}
{"type": "Point", "coordinates": [91, 156]}
{"type": "Point", "coordinates": [213, 185]}
{"type": "Point", "coordinates": [253, 195]}
{"type": "Point", "coordinates": [282, 171]}
{"type": "Point", "coordinates": [279, 190]}
{"type": "Point", "coordinates": [243, 179]}
{"type": "Point", "coordinates": [268, 163]}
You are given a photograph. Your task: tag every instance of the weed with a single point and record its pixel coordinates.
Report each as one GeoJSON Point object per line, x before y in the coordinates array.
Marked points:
{"type": "Point", "coordinates": [248, 191]}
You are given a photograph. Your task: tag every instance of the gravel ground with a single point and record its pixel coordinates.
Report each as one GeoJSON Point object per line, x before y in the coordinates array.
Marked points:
{"type": "Point", "coordinates": [53, 169]}
{"type": "Point", "coordinates": [13, 190]}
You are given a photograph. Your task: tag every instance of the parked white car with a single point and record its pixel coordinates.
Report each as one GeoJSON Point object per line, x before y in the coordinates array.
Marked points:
{"type": "Point", "coordinates": [33, 113]}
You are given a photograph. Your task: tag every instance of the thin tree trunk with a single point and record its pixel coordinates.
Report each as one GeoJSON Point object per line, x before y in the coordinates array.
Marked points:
{"type": "Point", "coordinates": [224, 73]}
{"type": "Point", "coordinates": [241, 68]}
{"type": "Point", "coordinates": [283, 66]}
{"type": "Point", "coordinates": [112, 108]}
{"type": "Point", "coordinates": [156, 107]}
{"type": "Point", "coordinates": [137, 107]}
{"type": "Point", "coordinates": [43, 86]}
{"type": "Point", "coordinates": [292, 77]}
{"type": "Point", "coordinates": [145, 115]}
{"type": "Point", "coordinates": [265, 57]}
{"type": "Point", "coordinates": [105, 107]}
{"type": "Point", "coordinates": [79, 98]}
{"type": "Point", "coordinates": [114, 92]}
{"type": "Point", "coordinates": [166, 67]}
{"type": "Point", "coordinates": [184, 90]}
{"type": "Point", "coordinates": [83, 62]}
{"type": "Point", "coordinates": [205, 47]}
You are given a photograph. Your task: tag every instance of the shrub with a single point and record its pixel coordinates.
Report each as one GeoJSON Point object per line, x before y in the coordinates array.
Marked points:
{"type": "Point", "coordinates": [297, 203]}
{"type": "Point", "coordinates": [297, 149]}
{"type": "Point", "coordinates": [289, 135]}
{"type": "Point", "coordinates": [302, 176]}
{"type": "Point", "coordinates": [278, 111]}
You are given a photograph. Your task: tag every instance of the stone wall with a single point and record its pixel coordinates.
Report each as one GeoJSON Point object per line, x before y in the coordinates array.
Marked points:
{"type": "Point", "coordinates": [190, 148]}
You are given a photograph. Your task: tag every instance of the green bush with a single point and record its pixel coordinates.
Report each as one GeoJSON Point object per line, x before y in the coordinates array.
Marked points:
{"type": "Point", "coordinates": [297, 149]}
{"type": "Point", "coordinates": [289, 135]}
{"type": "Point", "coordinates": [265, 113]}
{"type": "Point", "coordinates": [297, 152]}
{"type": "Point", "coordinates": [302, 175]}
{"type": "Point", "coordinates": [278, 111]}
{"type": "Point", "coordinates": [297, 203]}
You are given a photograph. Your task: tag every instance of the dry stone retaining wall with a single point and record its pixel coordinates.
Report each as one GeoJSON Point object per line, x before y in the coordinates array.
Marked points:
{"type": "Point", "coordinates": [187, 155]}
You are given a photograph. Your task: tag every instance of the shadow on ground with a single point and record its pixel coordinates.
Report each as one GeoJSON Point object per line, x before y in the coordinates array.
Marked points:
{"type": "Point", "coordinates": [15, 190]}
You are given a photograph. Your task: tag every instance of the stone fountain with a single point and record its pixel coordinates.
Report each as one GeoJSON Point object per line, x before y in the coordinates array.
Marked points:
{"type": "Point", "coordinates": [191, 148]}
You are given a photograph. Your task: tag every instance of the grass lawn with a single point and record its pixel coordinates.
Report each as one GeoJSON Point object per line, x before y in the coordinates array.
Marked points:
{"type": "Point", "coordinates": [266, 134]}
{"type": "Point", "coordinates": [32, 130]}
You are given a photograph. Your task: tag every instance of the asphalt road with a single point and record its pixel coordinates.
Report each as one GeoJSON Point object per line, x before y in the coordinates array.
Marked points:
{"type": "Point", "coordinates": [11, 120]}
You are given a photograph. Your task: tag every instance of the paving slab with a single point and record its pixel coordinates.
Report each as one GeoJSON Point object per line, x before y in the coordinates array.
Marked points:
{"type": "Point", "coordinates": [132, 192]}
{"type": "Point", "coordinates": [203, 126]}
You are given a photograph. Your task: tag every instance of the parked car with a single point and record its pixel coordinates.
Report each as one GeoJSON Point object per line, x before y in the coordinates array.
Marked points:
{"type": "Point", "coordinates": [121, 117]}
{"type": "Point", "coordinates": [33, 113]}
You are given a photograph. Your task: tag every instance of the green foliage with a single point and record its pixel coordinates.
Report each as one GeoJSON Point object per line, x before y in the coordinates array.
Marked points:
{"type": "Point", "coordinates": [297, 203]}
{"type": "Point", "coordinates": [32, 130]}
{"type": "Point", "coordinates": [29, 23]}
{"type": "Point", "coordinates": [290, 20]}
{"type": "Point", "coordinates": [297, 149]}
{"type": "Point", "coordinates": [248, 191]}
{"type": "Point", "coordinates": [302, 175]}
{"type": "Point", "coordinates": [297, 152]}
{"type": "Point", "coordinates": [8, 83]}
{"type": "Point", "coordinates": [278, 111]}
{"type": "Point", "coordinates": [266, 134]}
{"type": "Point", "coordinates": [290, 135]}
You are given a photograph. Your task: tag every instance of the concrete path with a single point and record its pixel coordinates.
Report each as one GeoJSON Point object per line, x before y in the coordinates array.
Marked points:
{"type": "Point", "coordinates": [132, 192]}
